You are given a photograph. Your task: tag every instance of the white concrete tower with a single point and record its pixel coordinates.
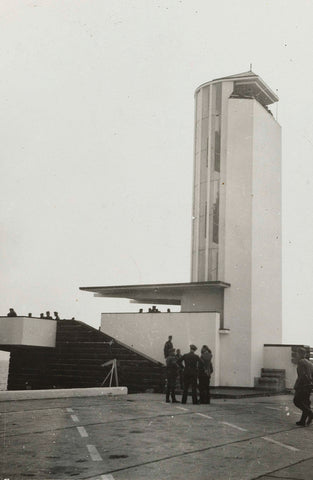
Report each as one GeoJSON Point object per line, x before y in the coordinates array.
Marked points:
{"type": "Point", "coordinates": [236, 235]}
{"type": "Point", "coordinates": [233, 302]}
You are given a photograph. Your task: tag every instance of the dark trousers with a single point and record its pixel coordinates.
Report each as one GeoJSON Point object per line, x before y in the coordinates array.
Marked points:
{"type": "Point", "coordinates": [303, 402]}
{"type": "Point", "coordinates": [170, 388]}
{"type": "Point", "coordinates": [181, 379]}
{"type": "Point", "coordinates": [190, 379]}
{"type": "Point", "coordinates": [204, 388]}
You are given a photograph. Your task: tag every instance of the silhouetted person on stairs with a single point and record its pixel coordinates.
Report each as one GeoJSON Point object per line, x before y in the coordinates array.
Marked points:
{"type": "Point", "coordinates": [168, 346]}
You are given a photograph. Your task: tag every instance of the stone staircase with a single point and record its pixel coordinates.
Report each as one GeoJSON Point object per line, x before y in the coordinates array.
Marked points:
{"type": "Point", "coordinates": [271, 380]}
{"type": "Point", "coordinates": [76, 362]}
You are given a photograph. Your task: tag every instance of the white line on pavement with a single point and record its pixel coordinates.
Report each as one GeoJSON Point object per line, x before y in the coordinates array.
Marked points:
{"type": "Point", "coordinates": [234, 426]}
{"type": "Point", "coordinates": [82, 431]}
{"type": "Point", "coordinates": [182, 408]}
{"type": "Point", "coordinates": [293, 449]}
{"type": "Point", "coordinates": [107, 477]}
{"type": "Point", "coordinates": [273, 408]}
{"type": "Point", "coordinates": [74, 418]}
{"type": "Point", "coordinates": [206, 416]}
{"type": "Point", "coordinates": [70, 410]}
{"type": "Point", "coordinates": [95, 456]}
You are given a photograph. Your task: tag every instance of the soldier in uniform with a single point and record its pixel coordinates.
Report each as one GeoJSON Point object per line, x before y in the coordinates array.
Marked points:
{"type": "Point", "coordinates": [180, 369]}
{"type": "Point", "coordinates": [167, 346]}
{"type": "Point", "coordinates": [303, 388]}
{"type": "Point", "coordinates": [171, 375]}
{"type": "Point", "coordinates": [191, 364]}
{"type": "Point", "coordinates": [205, 371]}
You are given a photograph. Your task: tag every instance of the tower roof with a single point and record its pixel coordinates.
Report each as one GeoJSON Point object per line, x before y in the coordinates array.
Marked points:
{"type": "Point", "coordinates": [247, 84]}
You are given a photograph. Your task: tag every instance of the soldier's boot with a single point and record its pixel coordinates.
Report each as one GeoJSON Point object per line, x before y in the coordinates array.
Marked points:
{"type": "Point", "coordinates": [302, 420]}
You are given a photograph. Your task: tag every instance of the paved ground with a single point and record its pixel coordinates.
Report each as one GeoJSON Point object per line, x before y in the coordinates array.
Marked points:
{"type": "Point", "coordinates": [139, 437]}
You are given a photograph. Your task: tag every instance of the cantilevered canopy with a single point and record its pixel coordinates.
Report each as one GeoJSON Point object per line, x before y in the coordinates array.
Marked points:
{"type": "Point", "coordinates": [166, 293]}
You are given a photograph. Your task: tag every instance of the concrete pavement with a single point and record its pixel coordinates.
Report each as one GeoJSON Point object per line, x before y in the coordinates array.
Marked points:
{"type": "Point", "coordinates": [134, 437]}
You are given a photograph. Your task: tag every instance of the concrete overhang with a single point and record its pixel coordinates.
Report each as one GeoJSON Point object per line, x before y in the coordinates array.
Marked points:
{"type": "Point", "coordinates": [247, 83]}
{"type": "Point", "coordinates": [165, 293]}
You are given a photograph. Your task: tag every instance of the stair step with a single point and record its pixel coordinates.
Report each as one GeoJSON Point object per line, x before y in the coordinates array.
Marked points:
{"type": "Point", "coordinates": [272, 375]}
{"type": "Point", "coordinates": [273, 371]}
{"type": "Point", "coordinates": [268, 380]}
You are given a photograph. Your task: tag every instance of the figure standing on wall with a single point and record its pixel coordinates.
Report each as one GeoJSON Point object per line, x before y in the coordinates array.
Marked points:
{"type": "Point", "coordinates": [205, 372]}
{"type": "Point", "coordinates": [303, 388]}
{"type": "Point", "coordinates": [12, 313]}
{"type": "Point", "coordinates": [191, 365]}
{"type": "Point", "coordinates": [171, 375]}
{"type": "Point", "coordinates": [167, 346]}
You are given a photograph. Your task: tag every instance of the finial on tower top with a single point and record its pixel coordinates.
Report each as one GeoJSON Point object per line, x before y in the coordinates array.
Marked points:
{"type": "Point", "coordinates": [250, 67]}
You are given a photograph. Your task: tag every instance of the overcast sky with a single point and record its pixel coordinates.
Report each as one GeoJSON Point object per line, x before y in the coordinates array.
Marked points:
{"type": "Point", "coordinates": [96, 142]}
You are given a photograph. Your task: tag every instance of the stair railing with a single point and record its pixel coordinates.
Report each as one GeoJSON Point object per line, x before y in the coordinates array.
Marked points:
{"type": "Point", "coordinates": [112, 372]}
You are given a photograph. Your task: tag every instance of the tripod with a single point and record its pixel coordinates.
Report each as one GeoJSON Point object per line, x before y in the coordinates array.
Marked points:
{"type": "Point", "coordinates": [112, 372]}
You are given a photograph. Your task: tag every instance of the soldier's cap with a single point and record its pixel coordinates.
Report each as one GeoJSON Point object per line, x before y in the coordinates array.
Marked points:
{"type": "Point", "coordinates": [301, 351]}
{"type": "Point", "coordinates": [193, 347]}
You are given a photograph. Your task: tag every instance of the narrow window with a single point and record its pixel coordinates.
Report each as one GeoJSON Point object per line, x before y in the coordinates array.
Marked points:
{"type": "Point", "coordinates": [217, 152]}
{"type": "Point", "coordinates": [216, 219]}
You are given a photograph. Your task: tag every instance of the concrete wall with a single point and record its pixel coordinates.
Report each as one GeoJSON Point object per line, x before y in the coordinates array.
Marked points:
{"type": "Point", "coordinates": [279, 356]}
{"type": "Point", "coordinates": [147, 332]}
{"type": "Point", "coordinates": [236, 347]}
{"type": "Point", "coordinates": [27, 331]}
{"type": "Point", "coordinates": [266, 273]}
{"type": "Point", "coordinates": [252, 245]}
{"type": "Point", "coordinates": [202, 300]}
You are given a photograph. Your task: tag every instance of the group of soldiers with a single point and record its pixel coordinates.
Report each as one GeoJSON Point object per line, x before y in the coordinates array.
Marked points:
{"type": "Point", "coordinates": [194, 371]}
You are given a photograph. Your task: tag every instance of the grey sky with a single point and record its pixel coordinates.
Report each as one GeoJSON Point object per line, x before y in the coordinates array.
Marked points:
{"type": "Point", "coordinates": [96, 140]}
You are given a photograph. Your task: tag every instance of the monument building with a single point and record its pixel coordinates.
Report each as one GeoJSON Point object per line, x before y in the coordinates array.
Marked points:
{"type": "Point", "coordinates": [233, 302]}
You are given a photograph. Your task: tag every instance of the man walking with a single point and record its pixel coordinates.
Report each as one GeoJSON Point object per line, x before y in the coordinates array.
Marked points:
{"type": "Point", "coordinates": [191, 363]}
{"type": "Point", "coordinates": [303, 388]}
